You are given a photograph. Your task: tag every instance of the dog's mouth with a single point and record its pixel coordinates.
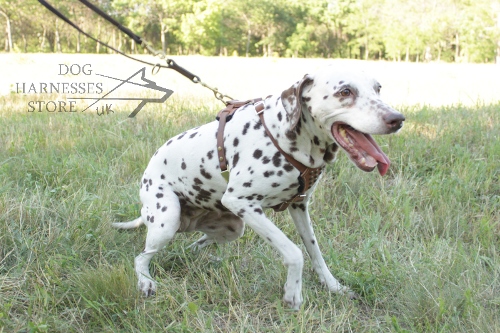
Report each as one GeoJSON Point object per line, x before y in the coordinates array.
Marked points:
{"type": "Point", "coordinates": [361, 148]}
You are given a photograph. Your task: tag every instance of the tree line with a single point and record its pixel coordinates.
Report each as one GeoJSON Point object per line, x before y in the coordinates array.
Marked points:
{"type": "Point", "coordinates": [399, 30]}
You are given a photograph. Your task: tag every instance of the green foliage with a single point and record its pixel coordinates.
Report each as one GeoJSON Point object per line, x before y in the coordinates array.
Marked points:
{"type": "Point", "coordinates": [411, 30]}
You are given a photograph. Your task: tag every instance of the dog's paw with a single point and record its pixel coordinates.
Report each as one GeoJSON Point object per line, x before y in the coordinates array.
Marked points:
{"type": "Point", "coordinates": [147, 287]}
{"type": "Point", "coordinates": [352, 295]}
{"type": "Point", "coordinates": [293, 298]}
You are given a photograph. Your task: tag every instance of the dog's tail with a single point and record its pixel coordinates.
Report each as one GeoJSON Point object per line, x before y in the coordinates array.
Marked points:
{"type": "Point", "coordinates": [128, 225]}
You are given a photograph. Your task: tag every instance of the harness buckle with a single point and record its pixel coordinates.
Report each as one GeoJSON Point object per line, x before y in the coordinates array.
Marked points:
{"type": "Point", "coordinates": [259, 107]}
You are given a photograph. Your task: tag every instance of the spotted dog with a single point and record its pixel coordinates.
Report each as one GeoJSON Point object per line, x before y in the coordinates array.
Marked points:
{"type": "Point", "coordinates": [182, 189]}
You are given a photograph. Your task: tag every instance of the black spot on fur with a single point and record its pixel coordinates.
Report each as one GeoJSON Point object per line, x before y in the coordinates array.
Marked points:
{"type": "Point", "coordinates": [144, 180]}
{"type": "Point", "coordinates": [230, 189]}
{"type": "Point", "coordinates": [164, 209]}
{"type": "Point", "coordinates": [288, 167]}
{"type": "Point", "coordinates": [162, 176]}
{"type": "Point", "coordinates": [245, 128]}
{"type": "Point", "coordinates": [311, 160]}
{"type": "Point", "coordinates": [241, 212]}
{"type": "Point", "coordinates": [158, 206]}
{"type": "Point", "coordinates": [277, 159]}
{"type": "Point", "coordinates": [257, 125]}
{"type": "Point", "coordinates": [183, 165]}
{"type": "Point", "coordinates": [205, 174]}
{"type": "Point", "coordinates": [203, 195]}
{"type": "Point", "coordinates": [181, 136]}
{"type": "Point", "coordinates": [236, 142]}
{"type": "Point", "coordinates": [150, 182]}
{"type": "Point", "coordinates": [193, 135]}
{"type": "Point", "coordinates": [152, 219]}
{"type": "Point", "coordinates": [159, 195]}
{"type": "Point", "coordinates": [169, 142]}
{"type": "Point", "coordinates": [291, 135]}
{"type": "Point", "coordinates": [210, 154]}
{"type": "Point", "coordinates": [268, 174]}
{"type": "Point", "coordinates": [258, 210]}
{"type": "Point", "coordinates": [197, 181]}
{"type": "Point", "coordinates": [247, 184]}
{"type": "Point", "coordinates": [313, 241]}
{"type": "Point", "coordinates": [236, 158]}
{"type": "Point", "coordinates": [275, 184]}
{"type": "Point", "coordinates": [257, 154]}
{"type": "Point", "coordinates": [266, 160]}
{"type": "Point", "coordinates": [280, 116]}
{"type": "Point", "coordinates": [316, 140]}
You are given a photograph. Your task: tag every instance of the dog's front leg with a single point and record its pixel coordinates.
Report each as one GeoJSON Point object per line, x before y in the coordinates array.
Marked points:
{"type": "Point", "coordinates": [254, 217]}
{"type": "Point", "coordinates": [300, 216]}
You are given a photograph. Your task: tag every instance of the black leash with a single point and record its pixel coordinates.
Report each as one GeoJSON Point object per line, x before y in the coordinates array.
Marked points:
{"type": "Point", "coordinates": [171, 64]}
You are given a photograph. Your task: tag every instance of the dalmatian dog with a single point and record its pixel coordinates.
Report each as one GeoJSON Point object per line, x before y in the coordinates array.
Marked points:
{"type": "Point", "coordinates": [182, 189]}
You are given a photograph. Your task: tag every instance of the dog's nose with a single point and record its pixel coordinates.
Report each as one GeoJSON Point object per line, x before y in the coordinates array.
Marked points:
{"type": "Point", "coordinates": [393, 120]}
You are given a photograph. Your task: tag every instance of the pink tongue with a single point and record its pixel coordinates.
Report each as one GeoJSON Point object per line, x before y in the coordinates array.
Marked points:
{"type": "Point", "coordinates": [366, 142]}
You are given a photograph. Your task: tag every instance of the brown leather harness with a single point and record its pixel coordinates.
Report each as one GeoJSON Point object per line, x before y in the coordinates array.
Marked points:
{"type": "Point", "coordinates": [308, 176]}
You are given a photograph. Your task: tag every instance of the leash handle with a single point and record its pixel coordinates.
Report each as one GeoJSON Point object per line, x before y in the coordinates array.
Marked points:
{"type": "Point", "coordinates": [181, 70]}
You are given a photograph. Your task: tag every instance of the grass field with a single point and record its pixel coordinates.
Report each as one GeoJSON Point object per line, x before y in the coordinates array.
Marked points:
{"type": "Point", "coordinates": [421, 245]}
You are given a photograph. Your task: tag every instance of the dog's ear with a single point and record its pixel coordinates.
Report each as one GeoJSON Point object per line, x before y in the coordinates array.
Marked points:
{"type": "Point", "coordinates": [292, 100]}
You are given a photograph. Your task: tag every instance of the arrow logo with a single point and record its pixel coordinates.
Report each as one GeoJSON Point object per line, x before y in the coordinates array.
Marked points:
{"type": "Point", "coordinates": [143, 101]}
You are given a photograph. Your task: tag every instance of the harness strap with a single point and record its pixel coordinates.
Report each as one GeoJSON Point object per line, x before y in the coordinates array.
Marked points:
{"type": "Point", "coordinates": [308, 176]}
{"type": "Point", "coordinates": [223, 117]}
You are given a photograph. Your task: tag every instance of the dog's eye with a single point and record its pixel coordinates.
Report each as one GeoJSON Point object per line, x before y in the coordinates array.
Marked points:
{"type": "Point", "coordinates": [345, 93]}
{"type": "Point", "coordinates": [378, 89]}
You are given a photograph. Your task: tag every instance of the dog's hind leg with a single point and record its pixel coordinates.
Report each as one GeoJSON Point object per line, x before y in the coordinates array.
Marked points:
{"type": "Point", "coordinates": [161, 214]}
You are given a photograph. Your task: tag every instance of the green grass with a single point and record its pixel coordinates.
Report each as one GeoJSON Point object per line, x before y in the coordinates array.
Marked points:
{"type": "Point", "coordinates": [421, 245]}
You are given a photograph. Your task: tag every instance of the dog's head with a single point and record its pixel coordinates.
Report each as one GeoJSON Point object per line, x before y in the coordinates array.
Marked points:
{"type": "Point", "coordinates": [347, 108]}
